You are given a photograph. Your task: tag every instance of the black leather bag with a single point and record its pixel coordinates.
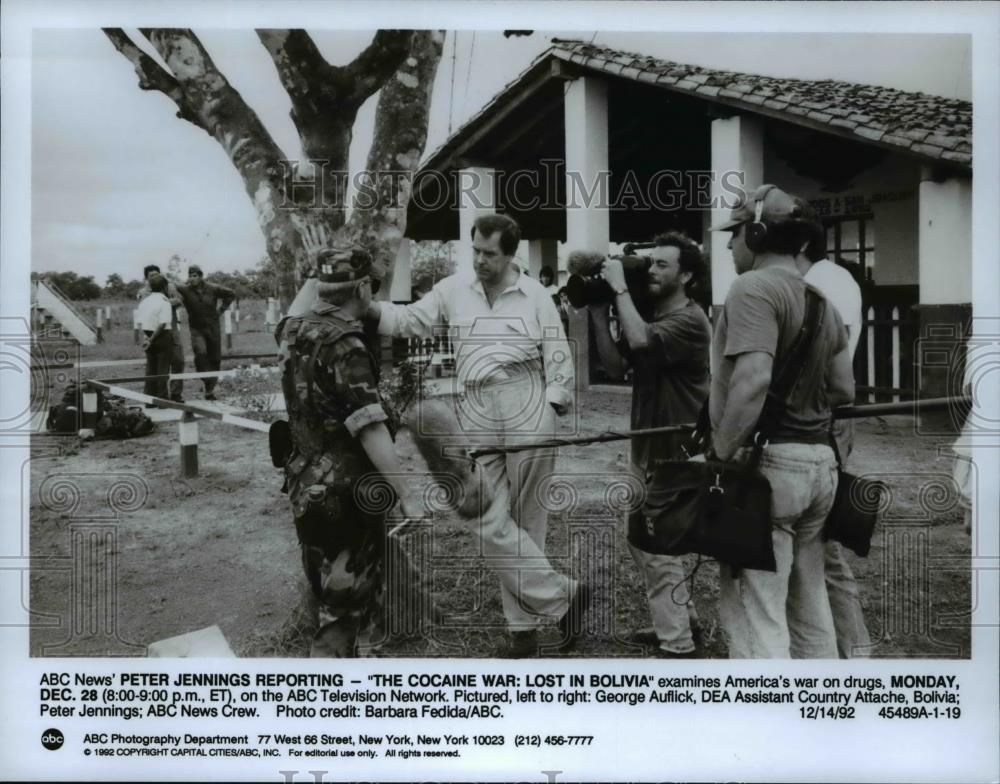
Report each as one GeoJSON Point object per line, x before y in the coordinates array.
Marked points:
{"type": "Point", "coordinates": [720, 510]}
{"type": "Point", "coordinates": [716, 509]}
{"type": "Point", "coordinates": [856, 508]}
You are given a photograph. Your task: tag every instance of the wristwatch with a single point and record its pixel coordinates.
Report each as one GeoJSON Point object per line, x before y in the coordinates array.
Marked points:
{"type": "Point", "coordinates": [619, 292]}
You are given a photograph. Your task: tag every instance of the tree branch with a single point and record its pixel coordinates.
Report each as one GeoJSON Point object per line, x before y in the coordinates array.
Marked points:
{"type": "Point", "coordinates": [151, 75]}
{"type": "Point", "coordinates": [299, 64]}
{"type": "Point", "coordinates": [369, 70]}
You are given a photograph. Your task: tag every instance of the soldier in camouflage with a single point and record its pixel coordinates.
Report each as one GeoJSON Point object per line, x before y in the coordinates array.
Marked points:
{"type": "Point", "coordinates": [342, 473]}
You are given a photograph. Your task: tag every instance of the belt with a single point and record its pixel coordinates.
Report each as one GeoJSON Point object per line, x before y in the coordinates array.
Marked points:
{"type": "Point", "coordinates": [823, 439]}
{"type": "Point", "coordinates": [514, 372]}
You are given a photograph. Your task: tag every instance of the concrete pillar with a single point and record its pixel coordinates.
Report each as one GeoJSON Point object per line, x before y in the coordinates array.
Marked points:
{"type": "Point", "coordinates": [542, 253]}
{"type": "Point", "coordinates": [737, 153]}
{"type": "Point", "coordinates": [475, 188]}
{"type": "Point", "coordinates": [588, 220]}
{"type": "Point", "coordinates": [587, 174]}
{"type": "Point", "coordinates": [945, 310]}
{"type": "Point", "coordinates": [399, 291]}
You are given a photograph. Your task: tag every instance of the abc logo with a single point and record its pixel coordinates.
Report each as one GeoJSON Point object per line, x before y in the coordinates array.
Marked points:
{"type": "Point", "coordinates": [53, 739]}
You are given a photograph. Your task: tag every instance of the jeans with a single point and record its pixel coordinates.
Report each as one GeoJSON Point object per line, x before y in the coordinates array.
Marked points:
{"type": "Point", "coordinates": [853, 640]}
{"type": "Point", "coordinates": [513, 527]}
{"type": "Point", "coordinates": [786, 614]}
{"type": "Point", "coordinates": [158, 364]}
{"type": "Point", "coordinates": [206, 344]}
{"type": "Point", "coordinates": [670, 603]}
{"type": "Point", "coordinates": [176, 365]}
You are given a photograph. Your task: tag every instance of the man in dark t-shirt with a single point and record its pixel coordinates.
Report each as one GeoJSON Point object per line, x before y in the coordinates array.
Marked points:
{"type": "Point", "coordinates": [668, 354]}
{"type": "Point", "coordinates": [786, 613]}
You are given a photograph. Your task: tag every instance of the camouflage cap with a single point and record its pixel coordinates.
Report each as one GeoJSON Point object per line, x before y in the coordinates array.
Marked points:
{"type": "Point", "coordinates": [343, 265]}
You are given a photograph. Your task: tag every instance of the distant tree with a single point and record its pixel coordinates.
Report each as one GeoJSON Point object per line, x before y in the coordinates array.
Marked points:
{"type": "Point", "coordinates": [115, 286]}
{"type": "Point", "coordinates": [177, 268]}
{"type": "Point", "coordinates": [241, 285]}
{"type": "Point", "coordinates": [72, 285]}
{"type": "Point", "coordinates": [264, 278]}
{"type": "Point", "coordinates": [430, 261]}
{"type": "Point", "coordinates": [131, 290]}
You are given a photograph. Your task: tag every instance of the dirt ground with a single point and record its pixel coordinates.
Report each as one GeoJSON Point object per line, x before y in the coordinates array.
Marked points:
{"type": "Point", "coordinates": [126, 552]}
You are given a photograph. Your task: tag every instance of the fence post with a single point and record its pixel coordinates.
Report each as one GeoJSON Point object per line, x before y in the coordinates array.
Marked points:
{"type": "Point", "coordinates": [896, 359]}
{"type": "Point", "coordinates": [872, 397]}
{"type": "Point", "coordinates": [100, 325]}
{"type": "Point", "coordinates": [188, 434]}
{"type": "Point", "coordinates": [227, 323]}
{"type": "Point", "coordinates": [88, 420]}
{"type": "Point", "coordinates": [135, 325]}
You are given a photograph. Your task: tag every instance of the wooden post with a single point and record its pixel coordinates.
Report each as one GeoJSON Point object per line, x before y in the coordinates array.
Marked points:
{"type": "Point", "coordinates": [188, 433]}
{"type": "Point", "coordinates": [227, 324]}
{"type": "Point", "coordinates": [88, 419]}
{"type": "Point", "coordinates": [135, 325]}
{"type": "Point", "coordinates": [100, 325]}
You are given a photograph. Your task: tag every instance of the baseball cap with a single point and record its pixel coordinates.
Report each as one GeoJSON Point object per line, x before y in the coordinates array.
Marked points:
{"type": "Point", "coordinates": [777, 206]}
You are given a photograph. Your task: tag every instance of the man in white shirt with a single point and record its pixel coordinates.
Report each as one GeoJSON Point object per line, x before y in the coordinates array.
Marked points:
{"type": "Point", "coordinates": [515, 371]}
{"type": "Point", "coordinates": [155, 318]}
{"type": "Point", "coordinates": [177, 352]}
{"type": "Point", "coordinates": [840, 289]}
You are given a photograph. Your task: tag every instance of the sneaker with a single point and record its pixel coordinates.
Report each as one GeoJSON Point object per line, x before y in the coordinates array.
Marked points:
{"type": "Point", "coordinates": [646, 636]}
{"type": "Point", "coordinates": [571, 624]}
{"type": "Point", "coordinates": [210, 396]}
{"type": "Point", "coordinates": [178, 399]}
{"type": "Point", "coordinates": [520, 645]}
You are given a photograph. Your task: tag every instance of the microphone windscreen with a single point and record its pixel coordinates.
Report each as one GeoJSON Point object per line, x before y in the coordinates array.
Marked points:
{"type": "Point", "coordinates": [584, 262]}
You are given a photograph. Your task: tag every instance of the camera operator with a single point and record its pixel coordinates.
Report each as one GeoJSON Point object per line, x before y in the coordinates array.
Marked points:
{"type": "Point", "coordinates": [670, 361]}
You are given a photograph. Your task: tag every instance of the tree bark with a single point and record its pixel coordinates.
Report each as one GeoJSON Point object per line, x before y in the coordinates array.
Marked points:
{"type": "Point", "coordinates": [379, 218]}
{"type": "Point", "coordinates": [325, 101]}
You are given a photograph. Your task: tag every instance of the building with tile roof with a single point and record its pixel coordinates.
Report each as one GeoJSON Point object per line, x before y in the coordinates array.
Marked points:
{"type": "Point", "coordinates": [592, 146]}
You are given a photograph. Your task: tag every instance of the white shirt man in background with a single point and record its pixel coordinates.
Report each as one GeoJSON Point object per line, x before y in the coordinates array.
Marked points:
{"type": "Point", "coordinates": [155, 318]}
{"type": "Point", "coordinates": [840, 289]}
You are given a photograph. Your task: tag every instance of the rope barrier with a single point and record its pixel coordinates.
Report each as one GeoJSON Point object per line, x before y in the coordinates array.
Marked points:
{"type": "Point", "coordinates": [202, 374]}
{"type": "Point", "coordinates": [842, 412]}
{"type": "Point", "coordinates": [207, 413]}
{"type": "Point", "coordinates": [137, 361]}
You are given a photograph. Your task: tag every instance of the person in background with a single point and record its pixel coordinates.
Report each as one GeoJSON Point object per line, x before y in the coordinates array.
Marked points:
{"type": "Point", "coordinates": [177, 350]}
{"type": "Point", "coordinates": [840, 289]}
{"type": "Point", "coordinates": [204, 303]}
{"type": "Point", "coordinates": [155, 317]}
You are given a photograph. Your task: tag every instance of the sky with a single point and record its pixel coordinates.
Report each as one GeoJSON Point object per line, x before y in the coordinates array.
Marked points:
{"type": "Point", "coordinates": [118, 181]}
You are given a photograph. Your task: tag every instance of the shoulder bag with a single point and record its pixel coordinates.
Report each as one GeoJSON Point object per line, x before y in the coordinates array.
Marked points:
{"type": "Point", "coordinates": [722, 510]}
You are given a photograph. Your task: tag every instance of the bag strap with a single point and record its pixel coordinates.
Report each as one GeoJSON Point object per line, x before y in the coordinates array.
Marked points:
{"type": "Point", "coordinates": [833, 445]}
{"type": "Point", "coordinates": [782, 382]}
{"type": "Point", "coordinates": [789, 372]}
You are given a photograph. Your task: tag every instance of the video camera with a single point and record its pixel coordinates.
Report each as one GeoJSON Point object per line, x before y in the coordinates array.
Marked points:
{"type": "Point", "coordinates": [585, 285]}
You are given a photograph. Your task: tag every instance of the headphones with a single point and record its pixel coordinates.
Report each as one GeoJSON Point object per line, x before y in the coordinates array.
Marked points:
{"type": "Point", "coordinates": [755, 233]}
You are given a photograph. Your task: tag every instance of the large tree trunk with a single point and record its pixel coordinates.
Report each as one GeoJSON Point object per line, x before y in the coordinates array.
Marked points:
{"type": "Point", "coordinates": [400, 135]}
{"type": "Point", "coordinates": [325, 102]}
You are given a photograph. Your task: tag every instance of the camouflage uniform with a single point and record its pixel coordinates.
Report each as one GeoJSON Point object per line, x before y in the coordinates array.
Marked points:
{"type": "Point", "coordinates": [329, 380]}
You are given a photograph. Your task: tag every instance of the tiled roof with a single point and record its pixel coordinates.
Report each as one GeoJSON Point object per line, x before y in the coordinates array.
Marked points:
{"type": "Point", "coordinates": [928, 126]}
